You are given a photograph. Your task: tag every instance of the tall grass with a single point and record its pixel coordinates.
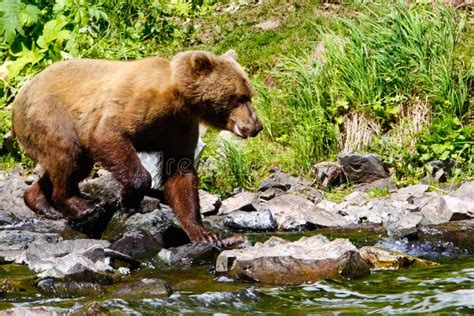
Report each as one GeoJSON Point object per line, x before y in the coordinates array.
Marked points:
{"type": "Point", "coordinates": [387, 59]}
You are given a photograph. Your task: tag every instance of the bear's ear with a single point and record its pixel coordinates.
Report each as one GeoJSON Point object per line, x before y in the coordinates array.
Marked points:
{"type": "Point", "coordinates": [231, 54]}
{"type": "Point", "coordinates": [202, 63]}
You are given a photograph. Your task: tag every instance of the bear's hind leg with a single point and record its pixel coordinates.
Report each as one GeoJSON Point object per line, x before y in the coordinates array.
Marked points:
{"type": "Point", "coordinates": [66, 194]}
{"type": "Point", "coordinates": [36, 198]}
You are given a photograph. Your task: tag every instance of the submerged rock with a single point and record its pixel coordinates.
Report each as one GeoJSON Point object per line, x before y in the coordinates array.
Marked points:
{"type": "Point", "coordinates": [144, 288]}
{"type": "Point", "coordinates": [307, 260]}
{"type": "Point", "coordinates": [380, 258]}
{"type": "Point", "coordinates": [37, 311]}
{"type": "Point", "coordinates": [457, 234]}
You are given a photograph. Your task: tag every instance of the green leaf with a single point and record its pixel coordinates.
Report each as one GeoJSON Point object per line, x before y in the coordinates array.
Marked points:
{"type": "Point", "coordinates": [30, 14]}
{"type": "Point", "coordinates": [9, 23]}
{"type": "Point", "coordinates": [25, 57]}
{"type": "Point", "coordinates": [53, 31]}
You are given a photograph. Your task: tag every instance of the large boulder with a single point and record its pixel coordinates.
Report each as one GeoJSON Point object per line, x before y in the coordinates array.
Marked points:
{"type": "Point", "coordinates": [254, 221]}
{"type": "Point", "coordinates": [281, 262]}
{"type": "Point", "coordinates": [80, 258]}
{"type": "Point", "coordinates": [294, 212]}
{"type": "Point", "coordinates": [360, 168]}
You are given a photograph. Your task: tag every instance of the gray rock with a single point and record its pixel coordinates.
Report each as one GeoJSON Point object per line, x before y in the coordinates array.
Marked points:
{"type": "Point", "coordinates": [68, 287]}
{"type": "Point", "coordinates": [104, 188]}
{"type": "Point", "coordinates": [209, 203]}
{"type": "Point", "coordinates": [270, 193]}
{"type": "Point", "coordinates": [439, 170]}
{"type": "Point", "coordinates": [12, 206]}
{"type": "Point", "coordinates": [244, 201]}
{"type": "Point", "coordinates": [465, 191]}
{"type": "Point", "coordinates": [356, 198]}
{"type": "Point", "coordinates": [81, 258]}
{"type": "Point", "coordinates": [13, 243]}
{"type": "Point", "coordinates": [282, 262]}
{"type": "Point", "coordinates": [403, 224]}
{"type": "Point", "coordinates": [293, 212]}
{"type": "Point", "coordinates": [137, 245]}
{"type": "Point", "coordinates": [254, 221]}
{"type": "Point", "coordinates": [442, 209]}
{"type": "Point", "coordinates": [381, 184]}
{"type": "Point", "coordinates": [329, 174]}
{"type": "Point", "coordinates": [410, 192]}
{"type": "Point", "coordinates": [279, 180]}
{"type": "Point", "coordinates": [362, 168]}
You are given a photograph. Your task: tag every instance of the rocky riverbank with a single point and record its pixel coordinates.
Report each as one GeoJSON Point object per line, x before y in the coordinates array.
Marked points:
{"type": "Point", "coordinates": [103, 255]}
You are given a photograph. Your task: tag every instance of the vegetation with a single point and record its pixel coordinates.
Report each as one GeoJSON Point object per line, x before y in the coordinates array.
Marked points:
{"type": "Point", "coordinates": [391, 78]}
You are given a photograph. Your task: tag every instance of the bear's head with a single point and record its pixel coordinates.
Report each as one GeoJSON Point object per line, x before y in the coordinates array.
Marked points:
{"type": "Point", "coordinates": [218, 90]}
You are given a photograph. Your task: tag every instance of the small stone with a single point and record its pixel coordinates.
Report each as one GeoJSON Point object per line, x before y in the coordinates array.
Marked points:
{"type": "Point", "coordinates": [144, 288]}
{"type": "Point", "coordinates": [329, 174]}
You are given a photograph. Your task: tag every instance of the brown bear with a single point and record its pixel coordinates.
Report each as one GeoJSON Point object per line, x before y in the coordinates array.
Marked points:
{"type": "Point", "coordinates": [82, 111]}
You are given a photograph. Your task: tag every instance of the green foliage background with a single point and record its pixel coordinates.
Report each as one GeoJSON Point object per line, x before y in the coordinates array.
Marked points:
{"type": "Point", "coordinates": [380, 59]}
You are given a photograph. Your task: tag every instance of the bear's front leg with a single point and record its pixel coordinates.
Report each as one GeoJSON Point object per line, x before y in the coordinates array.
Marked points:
{"type": "Point", "coordinates": [120, 158]}
{"type": "Point", "coordinates": [181, 193]}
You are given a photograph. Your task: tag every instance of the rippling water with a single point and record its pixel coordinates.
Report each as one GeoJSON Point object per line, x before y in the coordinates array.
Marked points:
{"type": "Point", "coordinates": [446, 288]}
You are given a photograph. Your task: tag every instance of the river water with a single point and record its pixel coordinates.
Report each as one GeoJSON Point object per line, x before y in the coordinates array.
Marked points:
{"type": "Point", "coordinates": [446, 288]}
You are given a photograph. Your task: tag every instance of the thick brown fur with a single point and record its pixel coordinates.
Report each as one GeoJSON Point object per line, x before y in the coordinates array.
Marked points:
{"type": "Point", "coordinates": [82, 111]}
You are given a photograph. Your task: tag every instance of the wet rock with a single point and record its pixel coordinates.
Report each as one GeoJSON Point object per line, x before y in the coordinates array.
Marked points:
{"type": "Point", "coordinates": [362, 168]}
{"type": "Point", "coordinates": [13, 243]}
{"type": "Point", "coordinates": [144, 288]}
{"type": "Point", "coordinates": [456, 234]}
{"type": "Point", "coordinates": [41, 225]}
{"type": "Point", "coordinates": [268, 25]}
{"type": "Point", "coordinates": [294, 212]}
{"type": "Point", "coordinates": [155, 223]}
{"type": "Point", "coordinates": [465, 191]}
{"type": "Point", "coordinates": [95, 308]}
{"type": "Point", "coordinates": [243, 201]}
{"type": "Point", "coordinates": [254, 221]}
{"type": "Point", "coordinates": [70, 288]}
{"type": "Point", "coordinates": [79, 259]}
{"type": "Point", "coordinates": [281, 262]}
{"type": "Point", "coordinates": [329, 174]}
{"type": "Point", "coordinates": [36, 310]}
{"type": "Point", "coordinates": [381, 184]}
{"type": "Point", "coordinates": [380, 258]}
{"type": "Point", "coordinates": [137, 245]}
{"type": "Point", "coordinates": [209, 203]}
{"type": "Point", "coordinates": [194, 252]}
